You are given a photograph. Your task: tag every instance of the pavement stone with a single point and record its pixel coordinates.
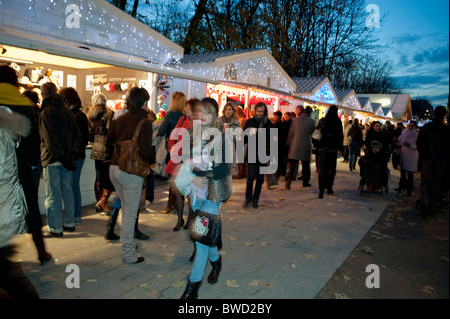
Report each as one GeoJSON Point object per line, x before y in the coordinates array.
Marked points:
{"type": "Point", "coordinates": [287, 249]}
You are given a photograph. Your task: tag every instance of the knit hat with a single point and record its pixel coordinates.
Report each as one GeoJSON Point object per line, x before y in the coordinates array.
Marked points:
{"type": "Point", "coordinates": [376, 144]}
{"type": "Point", "coordinates": [99, 99]}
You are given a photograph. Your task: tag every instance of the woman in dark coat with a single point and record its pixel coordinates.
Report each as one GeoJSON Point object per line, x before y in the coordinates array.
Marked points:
{"type": "Point", "coordinates": [375, 133]}
{"type": "Point", "coordinates": [100, 118]}
{"type": "Point", "coordinates": [73, 102]}
{"type": "Point", "coordinates": [329, 146]}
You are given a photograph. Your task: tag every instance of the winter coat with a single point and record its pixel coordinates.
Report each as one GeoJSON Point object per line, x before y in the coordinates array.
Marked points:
{"type": "Point", "coordinates": [83, 126]}
{"type": "Point", "coordinates": [409, 158]}
{"type": "Point", "coordinates": [346, 131]}
{"type": "Point", "coordinates": [100, 119]}
{"type": "Point", "coordinates": [13, 207]}
{"type": "Point", "coordinates": [219, 190]}
{"type": "Point", "coordinates": [169, 122]}
{"type": "Point", "coordinates": [266, 124]}
{"type": "Point", "coordinates": [432, 142]}
{"type": "Point", "coordinates": [332, 133]}
{"type": "Point", "coordinates": [123, 128]}
{"type": "Point", "coordinates": [355, 134]}
{"type": "Point", "coordinates": [28, 152]}
{"type": "Point", "coordinates": [380, 136]}
{"type": "Point", "coordinates": [186, 123]}
{"type": "Point", "coordinates": [299, 138]}
{"type": "Point", "coordinates": [60, 136]}
{"type": "Point", "coordinates": [233, 123]}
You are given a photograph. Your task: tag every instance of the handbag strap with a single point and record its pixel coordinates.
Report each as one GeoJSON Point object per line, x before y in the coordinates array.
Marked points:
{"type": "Point", "coordinates": [138, 129]}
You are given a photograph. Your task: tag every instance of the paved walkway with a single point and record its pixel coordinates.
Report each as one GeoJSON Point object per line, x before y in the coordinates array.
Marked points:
{"type": "Point", "coordinates": [287, 249]}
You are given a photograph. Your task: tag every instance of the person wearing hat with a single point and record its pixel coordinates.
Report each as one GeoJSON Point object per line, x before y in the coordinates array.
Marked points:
{"type": "Point", "coordinates": [100, 118]}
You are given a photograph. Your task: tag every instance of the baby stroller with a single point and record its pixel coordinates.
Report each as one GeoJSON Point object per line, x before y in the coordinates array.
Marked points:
{"type": "Point", "coordinates": [374, 179]}
{"type": "Point", "coordinates": [374, 172]}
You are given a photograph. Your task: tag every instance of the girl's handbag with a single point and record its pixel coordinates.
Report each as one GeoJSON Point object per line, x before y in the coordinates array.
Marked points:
{"type": "Point", "coordinates": [128, 158]}
{"type": "Point", "coordinates": [205, 227]}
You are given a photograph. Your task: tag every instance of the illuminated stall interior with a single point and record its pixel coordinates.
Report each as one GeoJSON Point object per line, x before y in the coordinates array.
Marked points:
{"type": "Point", "coordinates": [317, 92]}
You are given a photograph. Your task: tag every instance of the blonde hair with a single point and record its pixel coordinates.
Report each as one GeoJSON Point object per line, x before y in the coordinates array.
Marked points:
{"type": "Point", "coordinates": [178, 102]}
{"type": "Point", "coordinates": [211, 109]}
{"type": "Point", "coordinates": [234, 116]}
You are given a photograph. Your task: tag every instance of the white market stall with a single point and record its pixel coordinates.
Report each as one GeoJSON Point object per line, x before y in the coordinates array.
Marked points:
{"type": "Point", "coordinates": [90, 45]}
{"type": "Point", "coordinates": [245, 76]}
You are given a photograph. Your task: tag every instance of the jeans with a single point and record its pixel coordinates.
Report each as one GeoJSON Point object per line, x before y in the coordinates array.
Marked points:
{"type": "Point", "coordinates": [252, 172]}
{"type": "Point", "coordinates": [354, 152]}
{"type": "Point", "coordinates": [58, 189]}
{"type": "Point", "coordinates": [129, 189]}
{"type": "Point", "coordinates": [203, 252]}
{"type": "Point", "coordinates": [76, 190]}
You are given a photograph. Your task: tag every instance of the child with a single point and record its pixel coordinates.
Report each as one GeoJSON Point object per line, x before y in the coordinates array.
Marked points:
{"type": "Point", "coordinates": [195, 178]}
{"type": "Point", "coordinates": [374, 164]}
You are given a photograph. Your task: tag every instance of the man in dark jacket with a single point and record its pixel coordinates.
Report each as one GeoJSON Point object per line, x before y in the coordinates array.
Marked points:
{"type": "Point", "coordinates": [434, 154]}
{"type": "Point", "coordinates": [60, 143]}
{"type": "Point", "coordinates": [329, 146]}
{"type": "Point", "coordinates": [260, 120]}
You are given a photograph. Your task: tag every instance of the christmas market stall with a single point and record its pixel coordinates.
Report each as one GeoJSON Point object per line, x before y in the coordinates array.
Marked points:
{"type": "Point", "coordinates": [91, 46]}
{"type": "Point", "coordinates": [316, 92]}
{"type": "Point", "coordinates": [348, 103]}
{"type": "Point", "coordinates": [246, 77]}
{"type": "Point", "coordinates": [398, 104]}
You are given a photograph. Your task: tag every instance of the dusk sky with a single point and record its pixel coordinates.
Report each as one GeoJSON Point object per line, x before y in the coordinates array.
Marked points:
{"type": "Point", "coordinates": [418, 32]}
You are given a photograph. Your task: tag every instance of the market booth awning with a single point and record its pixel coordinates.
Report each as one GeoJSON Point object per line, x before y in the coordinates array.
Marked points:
{"type": "Point", "coordinates": [93, 31]}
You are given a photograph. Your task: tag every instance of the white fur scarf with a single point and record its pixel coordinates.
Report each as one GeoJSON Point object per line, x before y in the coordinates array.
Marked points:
{"type": "Point", "coordinates": [15, 124]}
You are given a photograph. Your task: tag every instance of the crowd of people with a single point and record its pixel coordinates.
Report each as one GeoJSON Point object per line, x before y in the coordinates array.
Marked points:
{"type": "Point", "coordinates": [50, 141]}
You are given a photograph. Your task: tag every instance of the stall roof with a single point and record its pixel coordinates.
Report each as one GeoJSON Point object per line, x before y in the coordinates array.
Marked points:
{"type": "Point", "coordinates": [229, 66]}
{"type": "Point", "coordinates": [398, 104]}
{"type": "Point", "coordinates": [348, 98]}
{"type": "Point", "coordinates": [318, 89]}
{"type": "Point", "coordinates": [93, 31]}
{"type": "Point", "coordinates": [366, 104]}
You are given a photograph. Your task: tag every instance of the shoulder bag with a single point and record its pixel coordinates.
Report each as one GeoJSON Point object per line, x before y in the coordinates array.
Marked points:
{"type": "Point", "coordinates": [128, 158]}
{"type": "Point", "coordinates": [204, 227]}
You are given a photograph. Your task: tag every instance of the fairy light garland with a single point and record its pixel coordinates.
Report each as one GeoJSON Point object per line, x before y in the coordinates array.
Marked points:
{"type": "Point", "coordinates": [96, 27]}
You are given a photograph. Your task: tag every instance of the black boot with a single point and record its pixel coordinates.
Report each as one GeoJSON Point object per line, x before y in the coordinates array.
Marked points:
{"type": "Point", "coordinates": [43, 255]}
{"type": "Point", "coordinates": [191, 214]}
{"type": "Point", "coordinates": [191, 291]}
{"type": "Point", "coordinates": [111, 224]}
{"type": "Point", "coordinates": [179, 205]}
{"type": "Point", "coordinates": [321, 191]}
{"type": "Point", "coordinates": [137, 233]}
{"type": "Point", "coordinates": [216, 268]}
